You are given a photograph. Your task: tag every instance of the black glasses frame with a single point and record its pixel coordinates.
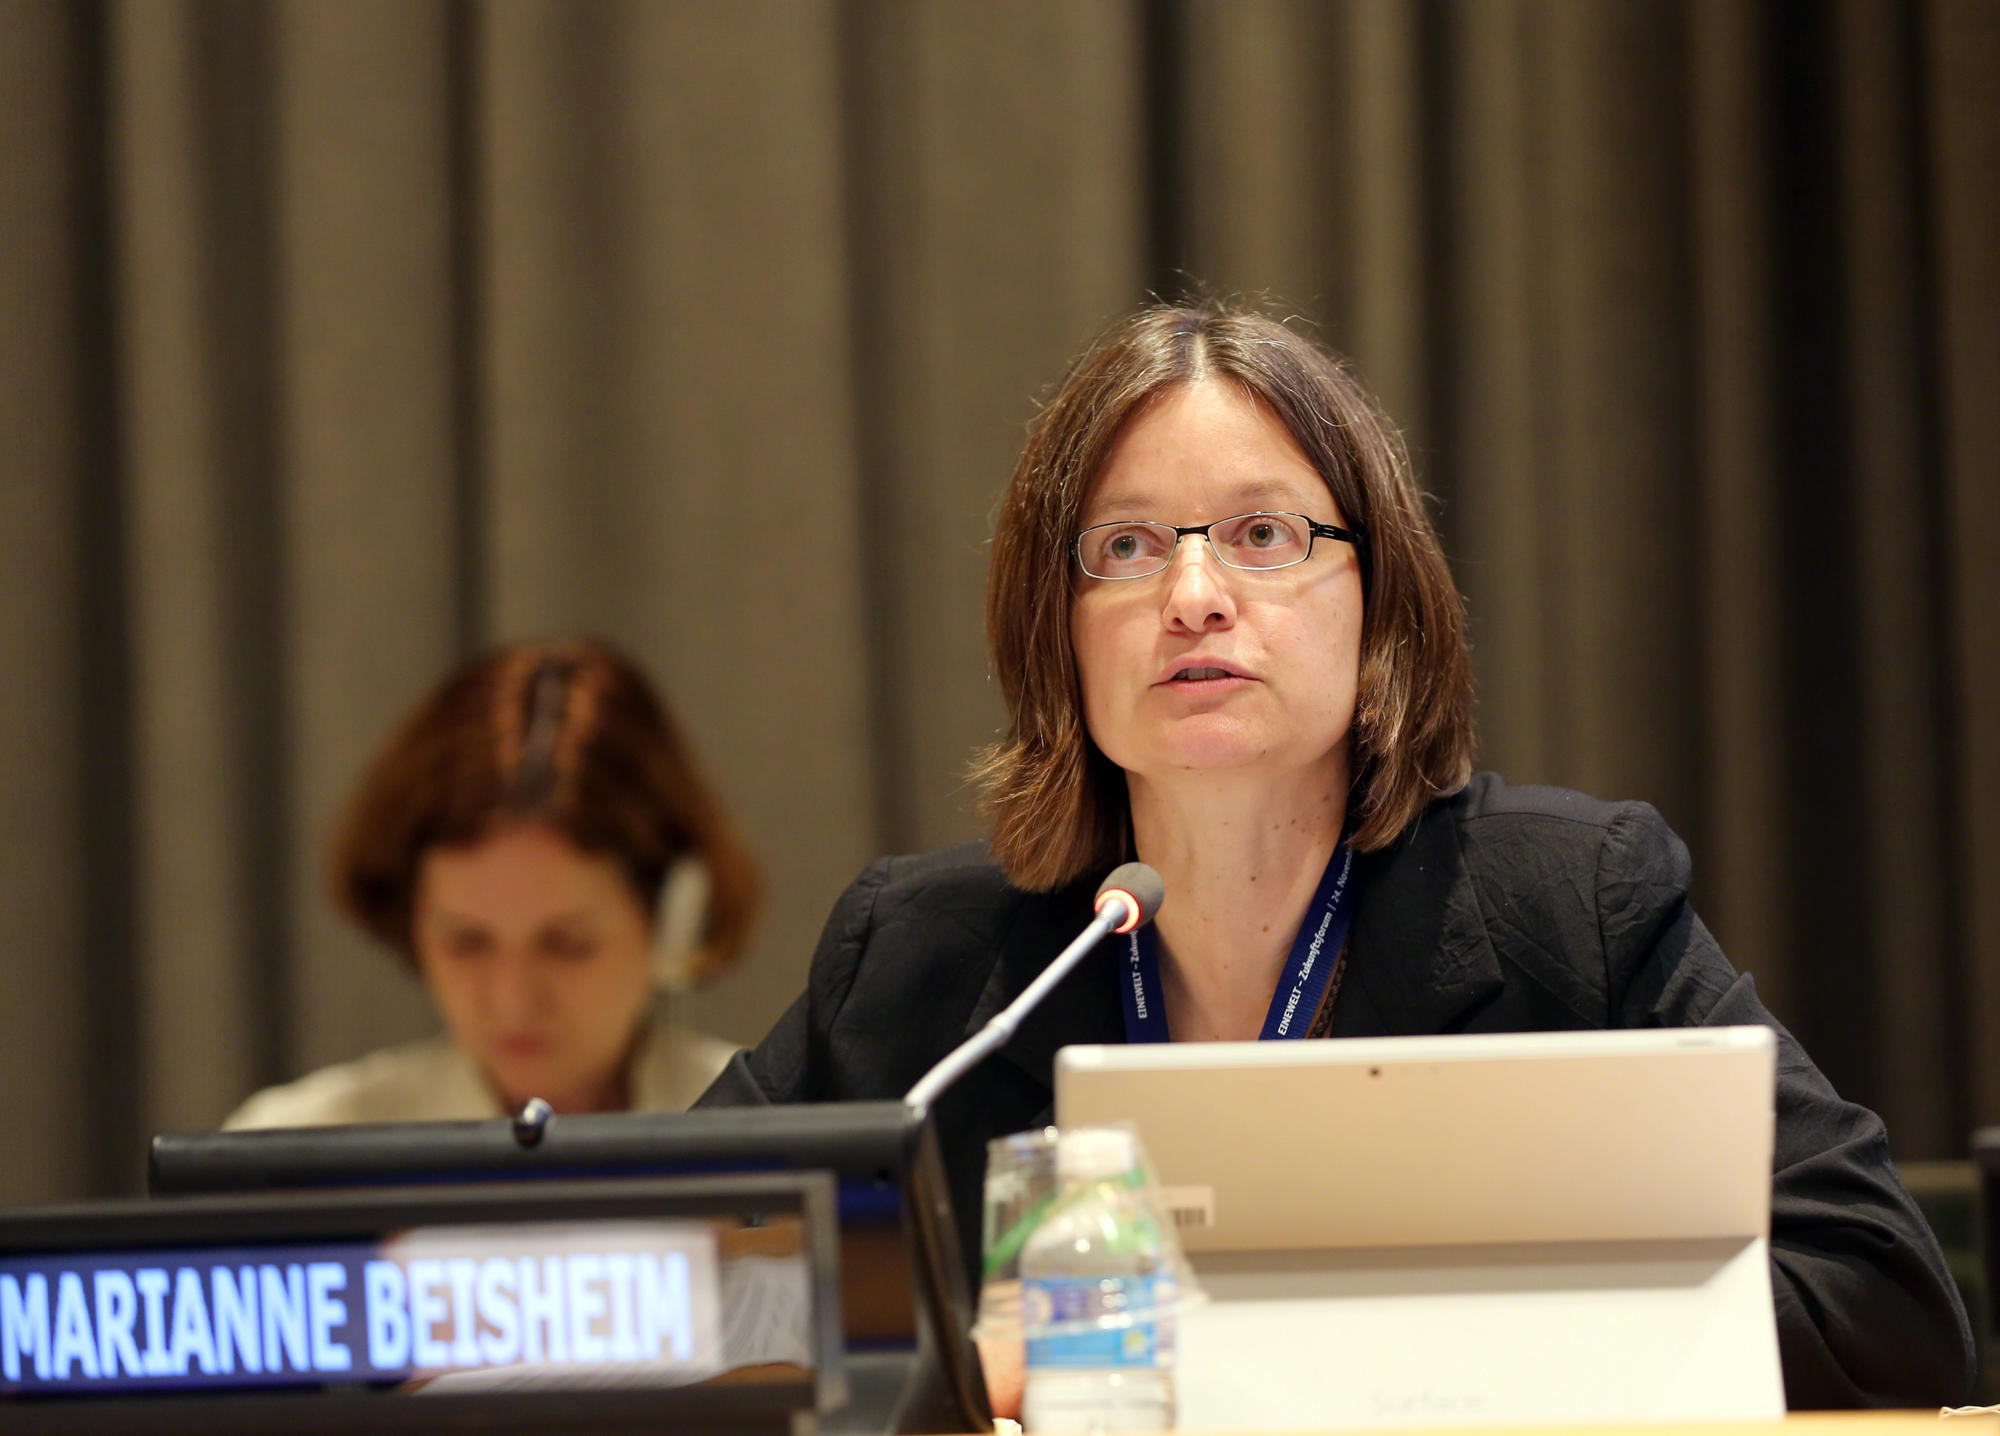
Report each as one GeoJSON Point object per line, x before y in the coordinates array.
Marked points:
{"type": "Point", "coordinates": [1314, 530]}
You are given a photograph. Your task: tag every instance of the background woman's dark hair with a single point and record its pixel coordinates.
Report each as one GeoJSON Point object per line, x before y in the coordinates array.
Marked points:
{"type": "Point", "coordinates": [565, 734]}
{"type": "Point", "coordinates": [1058, 806]}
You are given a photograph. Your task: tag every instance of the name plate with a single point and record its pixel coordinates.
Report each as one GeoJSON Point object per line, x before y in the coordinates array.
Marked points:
{"type": "Point", "coordinates": [647, 1284]}
{"type": "Point", "coordinates": [638, 1300]}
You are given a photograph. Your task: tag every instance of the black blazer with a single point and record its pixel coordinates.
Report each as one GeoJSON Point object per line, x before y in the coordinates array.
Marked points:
{"type": "Point", "coordinates": [1499, 910]}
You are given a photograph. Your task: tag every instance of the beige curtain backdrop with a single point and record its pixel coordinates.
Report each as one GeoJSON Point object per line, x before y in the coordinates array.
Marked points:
{"type": "Point", "coordinates": [342, 337]}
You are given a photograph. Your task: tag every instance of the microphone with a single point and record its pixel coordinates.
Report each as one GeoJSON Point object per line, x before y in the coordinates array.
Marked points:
{"type": "Point", "coordinates": [1126, 900]}
{"type": "Point", "coordinates": [1136, 886]}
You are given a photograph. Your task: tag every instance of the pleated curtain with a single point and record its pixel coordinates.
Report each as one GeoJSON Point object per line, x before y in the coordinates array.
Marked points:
{"type": "Point", "coordinates": [342, 339]}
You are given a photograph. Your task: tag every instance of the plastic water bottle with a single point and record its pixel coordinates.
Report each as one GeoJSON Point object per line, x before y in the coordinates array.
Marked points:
{"type": "Point", "coordinates": [1097, 1271]}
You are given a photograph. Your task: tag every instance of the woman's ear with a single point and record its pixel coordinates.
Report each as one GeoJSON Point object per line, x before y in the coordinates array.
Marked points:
{"type": "Point", "coordinates": [681, 924]}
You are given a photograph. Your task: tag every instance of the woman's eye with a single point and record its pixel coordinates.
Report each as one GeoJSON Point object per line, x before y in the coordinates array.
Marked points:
{"type": "Point", "coordinates": [1262, 540]}
{"type": "Point", "coordinates": [1133, 543]}
{"type": "Point", "coordinates": [467, 945]}
{"type": "Point", "coordinates": [569, 946]}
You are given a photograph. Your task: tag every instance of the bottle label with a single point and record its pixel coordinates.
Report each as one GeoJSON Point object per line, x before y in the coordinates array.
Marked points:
{"type": "Point", "coordinates": [1076, 1305]}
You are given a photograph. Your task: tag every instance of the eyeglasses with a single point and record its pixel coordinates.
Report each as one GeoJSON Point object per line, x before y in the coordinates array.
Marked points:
{"type": "Point", "coordinates": [1133, 549]}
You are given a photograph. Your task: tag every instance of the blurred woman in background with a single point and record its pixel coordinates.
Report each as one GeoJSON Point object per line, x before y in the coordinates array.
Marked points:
{"type": "Point", "coordinates": [535, 841]}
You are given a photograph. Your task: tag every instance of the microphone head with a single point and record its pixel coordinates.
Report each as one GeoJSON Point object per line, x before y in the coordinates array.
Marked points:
{"type": "Point", "coordinates": [1138, 889]}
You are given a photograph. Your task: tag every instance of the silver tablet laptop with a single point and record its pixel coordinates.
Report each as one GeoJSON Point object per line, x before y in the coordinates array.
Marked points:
{"type": "Point", "coordinates": [1401, 1141]}
{"type": "Point", "coordinates": [1469, 1230]}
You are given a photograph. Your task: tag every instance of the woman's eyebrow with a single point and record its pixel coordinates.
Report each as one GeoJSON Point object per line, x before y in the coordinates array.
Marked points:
{"type": "Point", "coordinates": [579, 919]}
{"type": "Point", "coordinates": [1263, 493]}
{"type": "Point", "coordinates": [1118, 506]}
{"type": "Point", "coordinates": [1254, 494]}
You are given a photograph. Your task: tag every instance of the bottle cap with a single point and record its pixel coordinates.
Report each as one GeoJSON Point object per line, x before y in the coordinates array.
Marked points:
{"type": "Point", "coordinates": [1093, 1154]}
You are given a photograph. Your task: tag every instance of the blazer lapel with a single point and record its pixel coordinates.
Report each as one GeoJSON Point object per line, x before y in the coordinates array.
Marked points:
{"type": "Point", "coordinates": [1083, 1007]}
{"type": "Point", "coordinates": [1419, 960]}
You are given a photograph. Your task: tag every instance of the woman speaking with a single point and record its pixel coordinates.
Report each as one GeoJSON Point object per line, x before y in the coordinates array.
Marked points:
{"type": "Point", "coordinates": [1229, 645]}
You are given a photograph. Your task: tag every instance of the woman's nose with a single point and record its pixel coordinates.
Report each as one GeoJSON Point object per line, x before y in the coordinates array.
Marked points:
{"type": "Point", "coordinates": [1199, 594]}
{"type": "Point", "coordinates": [515, 992]}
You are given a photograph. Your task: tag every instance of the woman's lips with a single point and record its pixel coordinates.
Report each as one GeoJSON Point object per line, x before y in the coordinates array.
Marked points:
{"type": "Point", "coordinates": [1201, 672]}
{"type": "Point", "coordinates": [521, 1045]}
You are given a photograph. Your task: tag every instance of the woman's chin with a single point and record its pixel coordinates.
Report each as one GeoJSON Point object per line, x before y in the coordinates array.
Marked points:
{"type": "Point", "coordinates": [516, 1085]}
{"type": "Point", "coordinates": [1234, 750]}
{"type": "Point", "coordinates": [1218, 753]}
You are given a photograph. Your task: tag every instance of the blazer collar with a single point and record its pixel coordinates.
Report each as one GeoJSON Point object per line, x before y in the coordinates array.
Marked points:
{"type": "Point", "coordinates": [1419, 957]}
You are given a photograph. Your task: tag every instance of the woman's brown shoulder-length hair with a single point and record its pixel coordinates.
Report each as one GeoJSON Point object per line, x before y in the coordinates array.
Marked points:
{"type": "Point", "coordinates": [565, 734]}
{"type": "Point", "coordinates": [1058, 806]}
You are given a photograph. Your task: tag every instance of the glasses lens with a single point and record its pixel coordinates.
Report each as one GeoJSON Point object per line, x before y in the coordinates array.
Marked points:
{"type": "Point", "coordinates": [1261, 540]}
{"type": "Point", "coordinates": [1125, 550]}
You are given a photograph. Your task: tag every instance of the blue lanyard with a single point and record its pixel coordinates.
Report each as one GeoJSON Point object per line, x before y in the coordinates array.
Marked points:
{"type": "Point", "coordinates": [1315, 951]}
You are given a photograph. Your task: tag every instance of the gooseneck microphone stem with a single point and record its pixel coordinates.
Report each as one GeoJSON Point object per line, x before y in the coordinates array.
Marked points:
{"type": "Point", "coordinates": [1003, 1022]}
{"type": "Point", "coordinates": [1126, 900]}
